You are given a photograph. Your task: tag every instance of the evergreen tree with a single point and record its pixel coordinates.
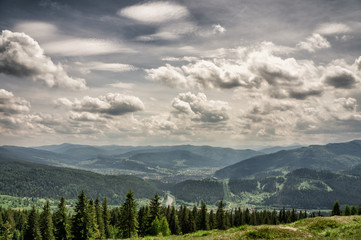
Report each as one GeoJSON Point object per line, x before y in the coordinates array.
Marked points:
{"type": "Point", "coordinates": [1, 221]}
{"type": "Point", "coordinates": [353, 210]}
{"type": "Point", "coordinates": [81, 224]}
{"type": "Point", "coordinates": [347, 210]}
{"type": "Point", "coordinates": [94, 230]}
{"type": "Point", "coordinates": [61, 221]}
{"type": "Point", "coordinates": [212, 220]}
{"type": "Point", "coordinates": [164, 227]}
{"type": "Point", "coordinates": [99, 218]}
{"type": "Point", "coordinates": [336, 210]}
{"type": "Point", "coordinates": [173, 222]}
{"type": "Point", "coordinates": [154, 207]}
{"type": "Point", "coordinates": [155, 227]}
{"type": "Point", "coordinates": [143, 221]}
{"type": "Point", "coordinates": [46, 223]}
{"type": "Point", "coordinates": [106, 218]}
{"type": "Point", "coordinates": [32, 231]}
{"type": "Point", "coordinates": [247, 217]}
{"type": "Point", "coordinates": [359, 210]}
{"type": "Point", "coordinates": [220, 217]}
{"type": "Point", "coordinates": [7, 232]}
{"type": "Point", "coordinates": [203, 218]}
{"type": "Point", "coordinates": [129, 223]}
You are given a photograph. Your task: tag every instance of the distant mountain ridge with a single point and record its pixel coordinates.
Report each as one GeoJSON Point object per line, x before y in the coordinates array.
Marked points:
{"type": "Point", "coordinates": [332, 157]}
{"type": "Point", "coordinates": [143, 161]}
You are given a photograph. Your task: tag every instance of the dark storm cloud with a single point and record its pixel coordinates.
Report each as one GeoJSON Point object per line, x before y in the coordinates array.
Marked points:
{"type": "Point", "coordinates": [340, 78]}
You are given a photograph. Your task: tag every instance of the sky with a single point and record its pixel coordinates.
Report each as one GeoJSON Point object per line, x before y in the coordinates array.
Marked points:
{"type": "Point", "coordinates": [223, 73]}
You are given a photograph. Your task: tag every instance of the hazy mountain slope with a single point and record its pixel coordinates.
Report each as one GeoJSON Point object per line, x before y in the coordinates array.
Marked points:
{"type": "Point", "coordinates": [274, 149]}
{"type": "Point", "coordinates": [333, 157]}
{"type": "Point", "coordinates": [36, 155]}
{"type": "Point", "coordinates": [19, 178]}
{"type": "Point", "coordinates": [306, 188]}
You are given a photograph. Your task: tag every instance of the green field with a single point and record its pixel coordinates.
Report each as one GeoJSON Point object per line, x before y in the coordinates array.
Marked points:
{"type": "Point", "coordinates": [336, 227]}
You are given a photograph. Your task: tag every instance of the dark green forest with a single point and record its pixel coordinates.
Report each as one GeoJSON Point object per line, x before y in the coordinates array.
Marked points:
{"type": "Point", "coordinates": [92, 219]}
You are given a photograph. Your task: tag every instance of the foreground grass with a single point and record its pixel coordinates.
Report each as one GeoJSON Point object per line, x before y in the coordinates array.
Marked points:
{"type": "Point", "coordinates": [313, 228]}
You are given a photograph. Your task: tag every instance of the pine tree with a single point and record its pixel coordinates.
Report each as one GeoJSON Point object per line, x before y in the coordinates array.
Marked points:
{"type": "Point", "coordinates": [247, 217]}
{"type": "Point", "coordinates": [94, 230]}
{"type": "Point", "coordinates": [173, 222]}
{"type": "Point", "coordinates": [143, 221]}
{"type": "Point", "coordinates": [81, 225]}
{"type": "Point", "coordinates": [154, 207]}
{"type": "Point", "coordinates": [99, 218]}
{"type": "Point", "coordinates": [155, 227]}
{"type": "Point", "coordinates": [353, 210]}
{"type": "Point", "coordinates": [7, 232]}
{"type": "Point", "coordinates": [1, 221]}
{"type": "Point", "coordinates": [106, 218]}
{"type": "Point", "coordinates": [347, 210]}
{"type": "Point", "coordinates": [61, 221]}
{"type": "Point", "coordinates": [220, 217]}
{"type": "Point", "coordinates": [32, 231]}
{"type": "Point", "coordinates": [212, 220]}
{"type": "Point", "coordinates": [336, 209]}
{"type": "Point", "coordinates": [359, 210]}
{"type": "Point", "coordinates": [129, 223]}
{"type": "Point", "coordinates": [164, 227]}
{"type": "Point", "coordinates": [203, 218]}
{"type": "Point", "coordinates": [46, 223]}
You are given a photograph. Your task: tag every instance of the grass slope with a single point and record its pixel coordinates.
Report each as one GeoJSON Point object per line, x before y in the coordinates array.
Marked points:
{"type": "Point", "coordinates": [335, 227]}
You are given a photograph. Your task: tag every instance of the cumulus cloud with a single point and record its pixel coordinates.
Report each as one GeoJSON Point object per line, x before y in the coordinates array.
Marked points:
{"type": "Point", "coordinates": [113, 104]}
{"type": "Point", "coordinates": [204, 74]}
{"type": "Point", "coordinates": [255, 68]}
{"type": "Point", "coordinates": [340, 77]}
{"type": "Point", "coordinates": [349, 104]}
{"type": "Point", "coordinates": [199, 108]}
{"type": "Point", "coordinates": [332, 28]}
{"type": "Point", "coordinates": [154, 12]}
{"type": "Point", "coordinates": [218, 29]}
{"type": "Point", "coordinates": [9, 104]}
{"type": "Point", "coordinates": [314, 42]}
{"type": "Point", "coordinates": [21, 56]}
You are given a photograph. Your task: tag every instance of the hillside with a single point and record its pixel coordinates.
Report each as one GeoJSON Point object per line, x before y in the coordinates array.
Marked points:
{"type": "Point", "coordinates": [311, 228]}
{"type": "Point", "coordinates": [332, 157]}
{"type": "Point", "coordinates": [19, 178]}
{"type": "Point", "coordinates": [172, 163]}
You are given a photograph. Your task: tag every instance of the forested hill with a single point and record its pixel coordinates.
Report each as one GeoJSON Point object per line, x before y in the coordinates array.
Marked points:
{"type": "Point", "coordinates": [20, 178]}
{"type": "Point", "coordinates": [332, 157]}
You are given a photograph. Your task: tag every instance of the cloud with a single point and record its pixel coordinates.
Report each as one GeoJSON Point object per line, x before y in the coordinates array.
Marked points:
{"type": "Point", "coordinates": [314, 42]}
{"type": "Point", "coordinates": [21, 56]}
{"type": "Point", "coordinates": [218, 29]}
{"type": "Point", "coordinates": [198, 108]}
{"type": "Point", "coordinates": [358, 63]}
{"type": "Point", "coordinates": [349, 104]}
{"type": "Point", "coordinates": [339, 77]}
{"type": "Point", "coordinates": [9, 104]}
{"type": "Point", "coordinates": [113, 104]}
{"type": "Point", "coordinates": [55, 42]}
{"type": "Point", "coordinates": [101, 66]}
{"type": "Point", "coordinates": [154, 12]}
{"type": "Point", "coordinates": [332, 28]}
{"type": "Point", "coordinates": [204, 74]}
{"type": "Point", "coordinates": [85, 47]}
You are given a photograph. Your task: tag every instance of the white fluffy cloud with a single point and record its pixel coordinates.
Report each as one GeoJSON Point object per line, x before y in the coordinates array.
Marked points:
{"type": "Point", "coordinates": [113, 104]}
{"type": "Point", "coordinates": [314, 42]}
{"type": "Point", "coordinates": [199, 108]}
{"type": "Point", "coordinates": [154, 12]}
{"type": "Point", "coordinates": [333, 28]}
{"type": "Point", "coordinates": [9, 104]}
{"type": "Point", "coordinates": [22, 56]}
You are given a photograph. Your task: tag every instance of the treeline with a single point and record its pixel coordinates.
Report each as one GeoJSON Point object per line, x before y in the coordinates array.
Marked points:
{"type": "Point", "coordinates": [93, 220]}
